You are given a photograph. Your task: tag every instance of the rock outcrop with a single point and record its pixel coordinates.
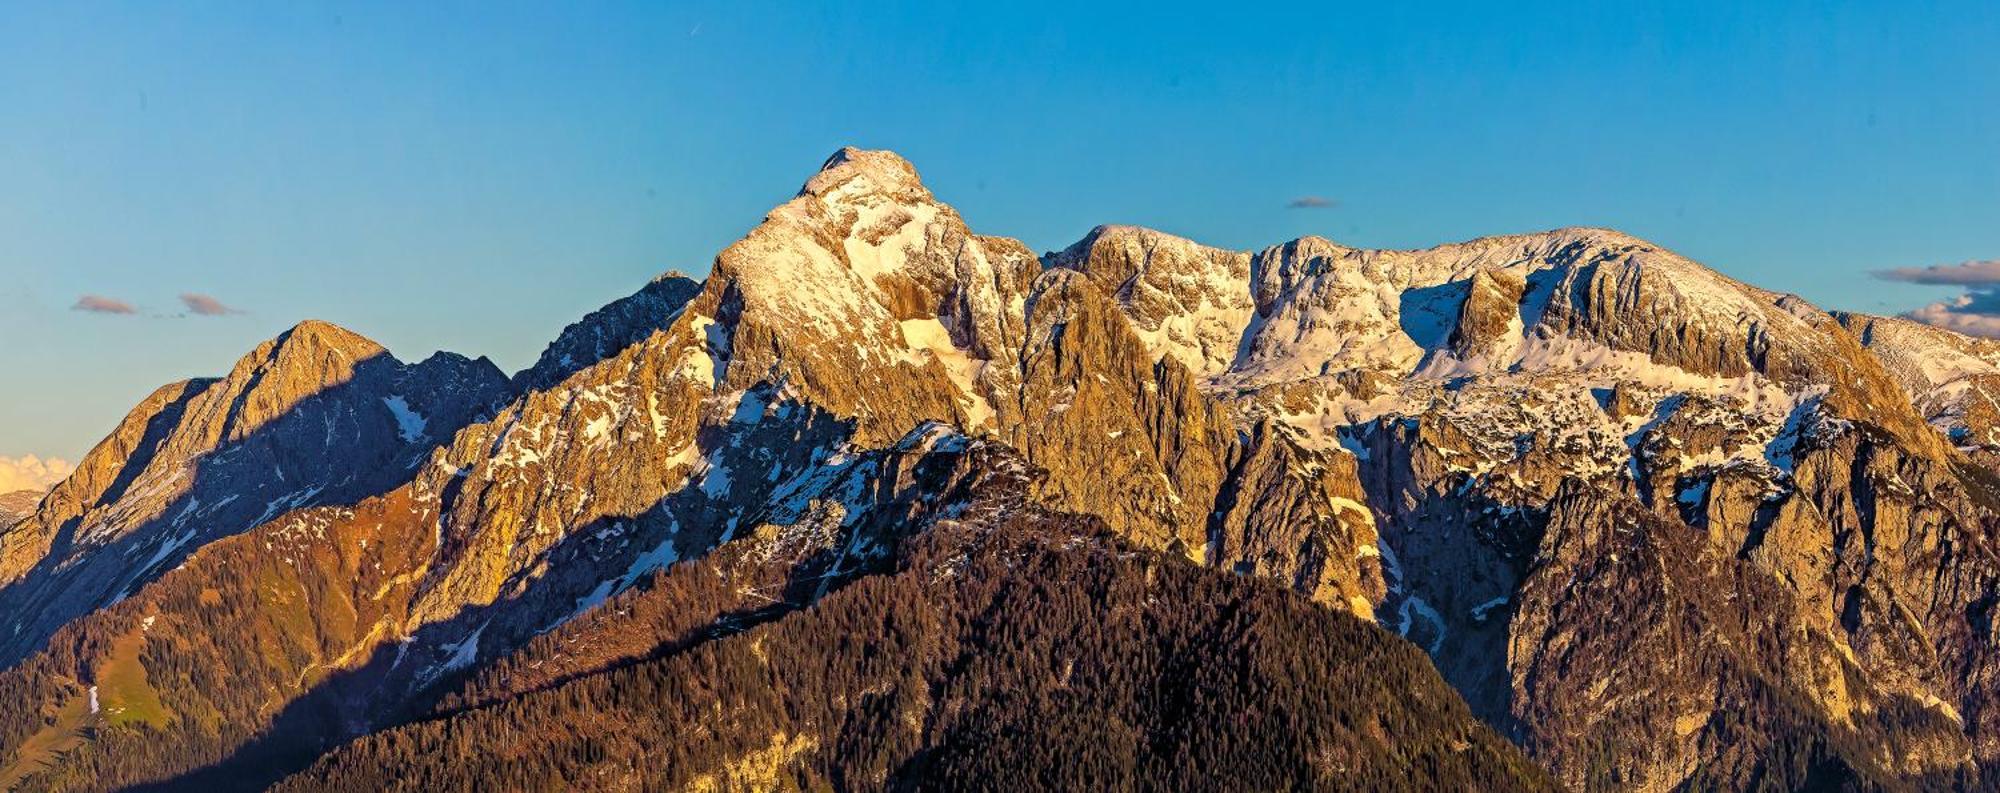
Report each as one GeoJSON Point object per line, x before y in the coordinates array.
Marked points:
{"type": "Point", "coordinates": [17, 505]}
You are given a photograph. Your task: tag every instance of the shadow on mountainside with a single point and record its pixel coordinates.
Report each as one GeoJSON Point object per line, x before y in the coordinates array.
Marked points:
{"type": "Point", "coordinates": [402, 681]}
{"type": "Point", "coordinates": [1428, 314]}
{"type": "Point", "coordinates": [608, 331]}
{"type": "Point", "coordinates": [732, 589]}
{"type": "Point", "coordinates": [333, 448]}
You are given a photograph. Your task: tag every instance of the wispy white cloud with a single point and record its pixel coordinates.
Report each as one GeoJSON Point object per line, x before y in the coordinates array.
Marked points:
{"type": "Point", "coordinates": [1974, 313]}
{"type": "Point", "coordinates": [1975, 273]}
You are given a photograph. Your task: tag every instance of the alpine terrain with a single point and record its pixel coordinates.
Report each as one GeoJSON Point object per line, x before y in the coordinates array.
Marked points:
{"type": "Point", "coordinates": [17, 505]}
{"type": "Point", "coordinates": [883, 502]}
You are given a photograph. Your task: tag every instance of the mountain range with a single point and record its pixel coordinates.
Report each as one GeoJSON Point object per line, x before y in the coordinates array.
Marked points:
{"type": "Point", "coordinates": [883, 502]}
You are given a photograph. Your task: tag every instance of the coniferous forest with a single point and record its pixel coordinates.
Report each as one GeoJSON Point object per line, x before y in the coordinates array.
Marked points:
{"type": "Point", "coordinates": [1032, 660]}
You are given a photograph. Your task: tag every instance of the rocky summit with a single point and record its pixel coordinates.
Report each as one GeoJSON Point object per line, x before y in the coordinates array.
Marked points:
{"type": "Point", "coordinates": [884, 502]}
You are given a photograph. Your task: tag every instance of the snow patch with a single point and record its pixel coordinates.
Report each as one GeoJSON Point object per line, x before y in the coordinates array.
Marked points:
{"type": "Point", "coordinates": [1414, 606]}
{"type": "Point", "coordinates": [715, 482]}
{"type": "Point", "coordinates": [1479, 611]}
{"type": "Point", "coordinates": [464, 652]}
{"type": "Point", "coordinates": [929, 335]}
{"type": "Point", "coordinates": [409, 424]}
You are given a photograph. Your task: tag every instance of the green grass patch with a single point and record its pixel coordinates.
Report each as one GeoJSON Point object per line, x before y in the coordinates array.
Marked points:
{"type": "Point", "coordinates": [124, 695]}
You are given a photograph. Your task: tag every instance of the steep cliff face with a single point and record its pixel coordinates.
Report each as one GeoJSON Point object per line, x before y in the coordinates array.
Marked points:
{"type": "Point", "coordinates": [1186, 299]}
{"type": "Point", "coordinates": [1489, 321]}
{"type": "Point", "coordinates": [1507, 402]}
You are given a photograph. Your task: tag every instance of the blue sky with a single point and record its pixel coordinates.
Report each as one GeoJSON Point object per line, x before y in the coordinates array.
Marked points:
{"type": "Point", "coordinates": [472, 177]}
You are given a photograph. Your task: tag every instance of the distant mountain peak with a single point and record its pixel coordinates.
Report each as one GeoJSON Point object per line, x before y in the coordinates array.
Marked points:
{"type": "Point", "coordinates": [315, 414]}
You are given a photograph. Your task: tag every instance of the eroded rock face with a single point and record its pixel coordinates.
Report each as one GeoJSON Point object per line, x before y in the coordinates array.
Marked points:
{"type": "Point", "coordinates": [1107, 418]}
{"type": "Point", "coordinates": [1489, 321]}
{"type": "Point", "coordinates": [609, 330]}
{"type": "Point", "coordinates": [17, 505]}
{"type": "Point", "coordinates": [1954, 380]}
{"type": "Point", "coordinates": [1587, 456]}
{"type": "Point", "coordinates": [1652, 655]}
{"type": "Point", "coordinates": [1185, 299]}
{"type": "Point", "coordinates": [1297, 515]}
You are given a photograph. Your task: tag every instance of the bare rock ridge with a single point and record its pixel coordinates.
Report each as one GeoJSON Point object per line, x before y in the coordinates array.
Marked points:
{"type": "Point", "coordinates": [1489, 321]}
{"type": "Point", "coordinates": [17, 505]}
{"type": "Point", "coordinates": [1953, 379]}
{"type": "Point", "coordinates": [1183, 298]}
{"type": "Point", "coordinates": [609, 330]}
{"type": "Point", "coordinates": [1662, 529]}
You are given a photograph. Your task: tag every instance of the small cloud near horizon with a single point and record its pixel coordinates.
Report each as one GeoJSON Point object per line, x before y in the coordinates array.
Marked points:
{"type": "Point", "coordinates": [1974, 313]}
{"type": "Point", "coordinates": [99, 304]}
{"type": "Point", "coordinates": [206, 306]}
{"type": "Point", "coordinates": [31, 473]}
{"type": "Point", "coordinates": [1976, 273]}
{"type": "Point", "coordinates": [1312, 202]}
